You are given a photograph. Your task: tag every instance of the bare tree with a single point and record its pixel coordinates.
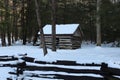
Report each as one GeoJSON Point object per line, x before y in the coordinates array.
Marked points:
{"type": "Point", "coordinates": [40, 28]}
{"type": "Point", "coordinates": [98, 26]}
{"type": "Point", "coordinates": [53, 17]}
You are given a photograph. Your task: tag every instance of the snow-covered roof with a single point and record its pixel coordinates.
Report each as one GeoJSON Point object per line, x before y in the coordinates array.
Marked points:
{"type": "Point", "coordinates": [61, 28]}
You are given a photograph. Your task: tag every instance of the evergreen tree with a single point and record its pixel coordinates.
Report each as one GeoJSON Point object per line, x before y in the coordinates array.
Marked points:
{"type": "Point", "coordinates": [2, 23]}
{"type": "Point", "coordinates": [32, 27]}
{"type": "Point", "coordinates": [14, 20]}
{"type": "Point", "coordinates": [7, 21]}
{"type": "Point", "coordinates": [23, 22]}
{"type": "Point", "coordinates": [110, 21]}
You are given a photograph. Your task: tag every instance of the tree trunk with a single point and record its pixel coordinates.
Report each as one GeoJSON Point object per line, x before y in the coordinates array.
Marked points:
{"type": "Point", "coordinates": [98, 26]}
{"type": "Point", "coordinates": [15, 28]}
{"type": "Point", "coordinates": [40, 28]}
{"type": "Point", "coordinates": [53, 17]}
{"type": "Point", "coordinates": [24, 31]}
{"type": "Point", "coordinates": [2, 30]}
{"type": "Point", "coordinates": [64, 14]}
{"type": "Point", "coordinates": [9, 35]}
{"type": "Point", "coordinates": [3, 39]}
{"type": "Point", "coordinates": [7, 19]}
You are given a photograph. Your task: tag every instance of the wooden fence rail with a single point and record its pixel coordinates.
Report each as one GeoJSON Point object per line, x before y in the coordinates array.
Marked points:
{"type": "Point", "coordinates": [106, 72]}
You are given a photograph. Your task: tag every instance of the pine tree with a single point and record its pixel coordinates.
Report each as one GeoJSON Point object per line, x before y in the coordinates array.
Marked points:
{"type": "Point", "coordinates": [2, 23]}
{"type": "Point", "coordinates": [7, 21]}
{"type": "Point", "coordinates": [14, 21]}
{"type": "Point", "coordinates": [23, 23]}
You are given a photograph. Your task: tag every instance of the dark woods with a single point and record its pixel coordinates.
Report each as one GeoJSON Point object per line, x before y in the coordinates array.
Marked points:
{"type": "Point", "coordinates": [18, 18]}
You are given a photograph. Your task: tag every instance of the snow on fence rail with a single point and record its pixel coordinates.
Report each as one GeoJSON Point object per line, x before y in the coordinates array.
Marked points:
{"type": "Point", "coordinates": [63, 70]}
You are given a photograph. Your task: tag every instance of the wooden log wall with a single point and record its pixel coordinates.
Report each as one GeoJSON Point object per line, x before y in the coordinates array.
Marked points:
{"type": "Point", "coordinates": [64, 42]}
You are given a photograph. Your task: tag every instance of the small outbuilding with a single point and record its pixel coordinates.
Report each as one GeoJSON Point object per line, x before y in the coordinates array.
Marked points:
{"type": "Point", "coordinates": [68, 36]}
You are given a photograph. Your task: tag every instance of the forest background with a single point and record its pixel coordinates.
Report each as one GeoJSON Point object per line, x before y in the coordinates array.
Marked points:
{"type": "Point", "coordinates": [18, 18]}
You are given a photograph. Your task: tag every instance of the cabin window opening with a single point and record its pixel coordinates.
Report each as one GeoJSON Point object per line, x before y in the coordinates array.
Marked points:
{"type": "Point", "coordinates": [57, 42]}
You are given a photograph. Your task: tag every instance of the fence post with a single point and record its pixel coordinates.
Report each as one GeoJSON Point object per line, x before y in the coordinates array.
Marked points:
{"type": "Point", "coordinates": [20, 68]}
{"type": "Point", "coordinates": [105, 72]}
{"type": "Point", "coordinates": [104, 66]}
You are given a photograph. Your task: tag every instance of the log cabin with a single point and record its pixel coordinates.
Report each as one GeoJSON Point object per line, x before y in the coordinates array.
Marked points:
{"type": "Point", "coordinates": [68, 36]}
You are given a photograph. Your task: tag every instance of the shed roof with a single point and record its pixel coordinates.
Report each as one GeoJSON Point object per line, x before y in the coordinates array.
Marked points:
{"type": "Point", "coordinates": [61, 28]}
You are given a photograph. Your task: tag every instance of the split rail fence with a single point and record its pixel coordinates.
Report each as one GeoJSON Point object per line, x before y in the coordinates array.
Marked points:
{"type": "Point", "coordinates": [106, 73]}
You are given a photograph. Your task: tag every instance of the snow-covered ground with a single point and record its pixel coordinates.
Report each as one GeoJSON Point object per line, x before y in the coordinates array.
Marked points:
{"type": "Point", "coordinates": [88, 53]}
